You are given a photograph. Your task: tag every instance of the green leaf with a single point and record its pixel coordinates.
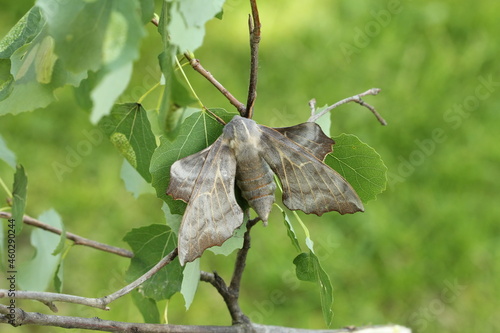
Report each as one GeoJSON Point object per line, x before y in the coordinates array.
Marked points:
{"type": "Point", "coordinates": [6, 154]}
{"type": "Point", "coordinates": [108, 89]}
{"type": "Point", "coordinates": [39, 272]}
{"type": "Point", "coordinates": [167, 106]}
{"type": "Point", "coordinates": [309, 269]}
{"type": "Point", "coordinates": [62, 242]}
{"type": "Point", "coordinates": [232, 244]}
{"type": "Point", "coordinates": [304, 267]}
{"type": "Point", "coordinates": [129, 130]}
{"type": "Point", "coordinates": [150, 244]}
{"type": "Point", "coordinates": [83, 91]}
{"type": "Point", "coordinates": [147, 10]}
{"type": "Point", "coordinates": [197, 132]}
{"type": "Point", "coordinates": [63, 250]}
{"type": "Point", "coordinates": [147, 306]}
{"type": "Point", "coordinates": [58, 277]}
{"type": "Point", "coordinates": [289, 229]}
{"type": "Point", "coordinates": [134, 183]}
{"type": "Point", "coordinates": [6, 79]}
{"type": "Point", "coordinates": [36, 72]}
{"type": "Point", "coordinates": [190, 281]}
{"type": "Point", "coordinates": [181, 96]}
{"type": "Point", "coordinates": [359, 164]}
{"type": "Point", "coordinates": [182, 27]}
{"type": "Point", "coordinates": [93, 34]}
{"type": "Point", "coordinates": [19, 194]}
{"type": "Point", "coordinates": [187, 22]}
{"type": "Point", "coordinates": [325, 122]}
{"type": "Point", "coordinates": [175, 96]}
{"type": "Point", "coordinates": [173, 220]}
{"type": "Point", "coordinates": [23, 32]}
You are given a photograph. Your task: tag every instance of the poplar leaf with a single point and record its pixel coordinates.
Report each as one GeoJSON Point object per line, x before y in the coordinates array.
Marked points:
{"type": "Point", "coordinates": [359, 164]}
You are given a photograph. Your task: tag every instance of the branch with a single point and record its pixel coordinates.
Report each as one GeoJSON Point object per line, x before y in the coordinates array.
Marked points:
{"type": "Point", "coordinates": [231, 293]}
{"type": "Point", "coordinates": [356, 99]}
{"type": "Point", "coordinates": [165, 261]}
{"type": "Point", "coordinates": [195, 63]}
{"type": "Point", "coordinates": [17, 317]}
{"type": "Point", "coordinates": [241, 257]}
{"type": "Point", "coordinates": [78, 240]}
{"type": "Point", "coordinates": [100, 303]}
{"type": "Point", "coordinates": [230, 298]}
{"type": "Point", "coordinates": [254, 28]}
{"type": "Point", "coordinates": [48, 298]}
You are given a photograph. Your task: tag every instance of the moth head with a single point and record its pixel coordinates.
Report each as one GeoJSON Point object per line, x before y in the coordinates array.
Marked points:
{"type": "Point", "coordinates": [241, 133]}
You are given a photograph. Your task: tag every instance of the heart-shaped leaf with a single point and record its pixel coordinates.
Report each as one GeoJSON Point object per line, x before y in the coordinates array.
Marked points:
{"type": "Point", "coordinates": [359, 164]}
{"type": "Point", "coordinates": [150, 244]}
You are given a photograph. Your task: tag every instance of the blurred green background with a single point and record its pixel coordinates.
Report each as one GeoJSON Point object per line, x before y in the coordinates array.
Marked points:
{"type": "Point", "coordinates": [425, 254]}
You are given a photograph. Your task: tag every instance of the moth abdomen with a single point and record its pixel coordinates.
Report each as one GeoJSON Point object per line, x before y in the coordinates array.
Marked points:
{"type": "Point", "coordinates": [257, 188]}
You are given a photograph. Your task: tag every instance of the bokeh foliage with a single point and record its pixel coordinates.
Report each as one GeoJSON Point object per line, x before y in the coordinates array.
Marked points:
{"type": "Point", "coordinates": [426, 254]}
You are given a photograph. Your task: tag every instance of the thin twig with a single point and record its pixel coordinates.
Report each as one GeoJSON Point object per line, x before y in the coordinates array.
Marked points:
{"type": "Point", "coordinates": [165, 261]}
{"type": "Point", "coordinates": [19, 317]}
{"type": "Point", "coordinates": [312, 106]}
{"type": "Point", "coordinates": [195, 63]}
{"type": "Point", "coordinates": [356, 99]}
{"type": "Point", "coordinates": [241, 258]}
{"type": "Point", "coordinates": [231, 293]}
{"type": "Point", "coordinates": [78, 240]}
{"type": "Point", "coordinates": [228, 295]}
{"type": "Point", "coordinates": [100, 303]}
{"type": "Point", "coordinates": [43, 297]}
{"type": "Point", "coordinates": [254, 28]}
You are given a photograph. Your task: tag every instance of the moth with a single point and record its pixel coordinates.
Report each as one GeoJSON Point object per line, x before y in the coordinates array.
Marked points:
{"type": "Point", "coordinates": [248, 155]}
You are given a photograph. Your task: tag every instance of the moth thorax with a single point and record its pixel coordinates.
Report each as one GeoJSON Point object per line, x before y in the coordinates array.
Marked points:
{"type": "Point", "coordinates": [256, 182]}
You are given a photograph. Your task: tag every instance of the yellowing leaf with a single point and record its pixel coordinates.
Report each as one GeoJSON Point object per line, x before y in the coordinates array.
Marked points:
{"type": "Point", "coordinates": [120, 141]}
{"type": "Point", "coordinates": [45, 60]}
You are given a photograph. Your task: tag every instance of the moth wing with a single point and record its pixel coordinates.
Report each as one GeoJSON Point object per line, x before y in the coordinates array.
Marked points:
{"type": "Point", "coordinates": [309, 136]}
{"type": "Point", "coordinates": [212, 214]}
{"type": "Point", "coordinates": [184, 173]}
{"type": "Point", "coordinates": [308, 183]}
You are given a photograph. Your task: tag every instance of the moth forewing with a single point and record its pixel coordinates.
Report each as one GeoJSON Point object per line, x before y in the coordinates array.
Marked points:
{"type": "Point", "coordinates": [308, 184]}
{"type": "Point", "coordinates": [309, 136]}
{"type": "Point", "coordinates": [184, 173]}
{"type": "Point", "coordinates": [212, 213]}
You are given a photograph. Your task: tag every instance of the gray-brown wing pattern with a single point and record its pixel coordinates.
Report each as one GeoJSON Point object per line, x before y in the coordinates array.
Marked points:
{"type": "Point", "coordinates": [308, 183]}
{"type": "Point", "coordinates": [309, 136]}
{"type": "Point", "coordinates": [212, 214]}
{"type": "Point", "coordinates": [184, 173]}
